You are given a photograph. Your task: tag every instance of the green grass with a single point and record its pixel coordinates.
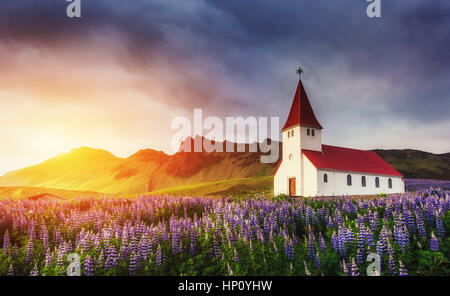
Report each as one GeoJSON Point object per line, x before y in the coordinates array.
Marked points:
{"type": "Point", "coordinates": [232, 187]}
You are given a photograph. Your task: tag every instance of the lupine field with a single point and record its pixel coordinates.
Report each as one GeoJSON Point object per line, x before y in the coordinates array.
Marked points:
{"type": "Point", "coordinates": [159, 235]}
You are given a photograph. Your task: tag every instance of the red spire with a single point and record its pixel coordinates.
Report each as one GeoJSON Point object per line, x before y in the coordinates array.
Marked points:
{"type": "Point", "coordinates": [301, 111]}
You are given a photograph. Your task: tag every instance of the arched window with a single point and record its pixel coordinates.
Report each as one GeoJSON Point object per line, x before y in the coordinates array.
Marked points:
{"type": "Point", "coordinates": [325, 178]}
{"type": "Point", "coordinates": [377, 182]}
{"type": "Point", "coordinates": [292, 133]}
{"type": "Point", "coordinates": [363, 181]}
{"type": "Point", "coordinates": [349, 180]}
{"type": "Point", "coordinates": [312, 132]}
{"type": "Point", "coordinates": [308, 132]}
{"type": "Point", "coordinates": [390, 183]}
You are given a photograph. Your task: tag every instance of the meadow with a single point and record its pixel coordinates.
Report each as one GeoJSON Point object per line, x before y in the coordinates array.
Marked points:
{"type": "Point", "coordinates": [164, 235]}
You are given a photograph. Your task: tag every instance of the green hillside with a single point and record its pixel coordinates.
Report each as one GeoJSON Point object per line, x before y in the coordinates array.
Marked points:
{"type": "Point", "coordinates": [417, 164]}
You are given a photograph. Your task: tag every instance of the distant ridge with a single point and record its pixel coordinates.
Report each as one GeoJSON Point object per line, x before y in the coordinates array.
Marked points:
{"type": "Point", "coordinates": [418, 164]}
{"type": "Point", "coordinates": [97, 170]}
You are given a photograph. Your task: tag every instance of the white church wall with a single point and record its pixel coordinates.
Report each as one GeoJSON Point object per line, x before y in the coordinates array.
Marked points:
{"type": "Point", "coordinates": [291, 164]}
{"type": "Point", "coordinates": [291, 144]}
{"type": "Point", "coordinates": [337, 184]}
{"type": "Point", "coordinates": [309, 178]}
{"type": "Point", "coordinates": [311, 142]}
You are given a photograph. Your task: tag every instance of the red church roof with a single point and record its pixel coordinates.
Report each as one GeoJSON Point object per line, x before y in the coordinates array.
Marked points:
{"type": "Point", "coordinates": [301, 111]}
{"type": "Point", "coordinates": [350, 160]}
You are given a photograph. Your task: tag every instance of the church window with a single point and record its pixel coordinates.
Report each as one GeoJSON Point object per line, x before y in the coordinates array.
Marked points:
{"type": "Point", "coordinates": [308, 132]}
{"type": "Point", "coordinates": [349, 180]}
{"type": "Point", "coordinates": [312, 132]}
{"type": "Point", "coordinates": [363, 181]}
{"type": "Point", "coordinates": [325, 178]}
{"type": "Point", "coordinates": [292, 133]}
{"type": "Point", "coordinates": [390, 183]}
{"type": "Point", "coordinates": [377, 182]}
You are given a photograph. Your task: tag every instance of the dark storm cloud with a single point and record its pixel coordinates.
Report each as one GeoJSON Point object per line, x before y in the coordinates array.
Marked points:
{"type": "Point", "coordinates": [249, 49]}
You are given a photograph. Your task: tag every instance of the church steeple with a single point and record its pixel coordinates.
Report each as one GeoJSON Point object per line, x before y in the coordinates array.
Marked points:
{"type": "Point", "coordinates": [301, 112]}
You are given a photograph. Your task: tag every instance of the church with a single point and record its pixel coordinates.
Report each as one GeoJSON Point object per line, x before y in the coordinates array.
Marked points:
{"type": "Point", "coordinates": [309, 168]}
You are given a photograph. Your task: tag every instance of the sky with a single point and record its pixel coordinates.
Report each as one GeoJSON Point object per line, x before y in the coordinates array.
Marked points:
{"type": "Point", "coordinates": [116, 77]}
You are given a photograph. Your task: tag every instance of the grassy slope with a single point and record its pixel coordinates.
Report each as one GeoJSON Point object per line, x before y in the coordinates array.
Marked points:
{"type": "Point", "coordinates": [88, 169]}
{"type": "Point", "coordinates": [234, 187]}
{"type": "Point", "coordinates": [18, 192]}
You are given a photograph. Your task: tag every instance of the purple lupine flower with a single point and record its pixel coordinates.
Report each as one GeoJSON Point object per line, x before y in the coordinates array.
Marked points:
{"type": "Point", "coordinates": [373, 225]}
{"type": "Point", "coordinates": [369, 238]}
{"type": "Point", "coordinates": [288, 249]}
{"type": "Point", "coordinates": [321, 242]}
{"type": "Point", "coordinates": [175, 242]}
{"type": "Point", "coordinates": [180, 247]}
{"type": "Point", "coordinates": [236, 256]}
{"type": "Point", "coordinates": [388, 213]}
{"type": "Point", "coordinates": [34, 271]}
{"type": "Point", "coordinates": [420, 225]}
{"type": "Point", "coordinates": [317, 261]}
{"type": "Point", "coordinates": [380, 249]}
{"type": "Point", "coordinates": [29, 251]}
{"type": "Point", "coordinates": [132, 268]}
{"type": "Point", "coordinates": [216, 247]}
{"type": "Point", "coordinates": [123, 252]}
{"type": "Point", "coordinates": [99, 261]}
{"type": "Point", "coordinates": [341, 241]}
{"type": "Point", "coordinates": [109, 262]}
{"type": "Point", "coordinates": [359, 257]}
{"type": "Point", "coordinates": [311, 247]}
{"type": "Point", "coordinates": [410, 222]}
{"type": "Point", "coordinates": [230, 271]}
{"type": "Point", "coordinates": [15, 250]}
{"type": "Point", "coordinates": [10, 270]}
{"type": "Point", "coordinates": [344, 268]}
{"type": "Point", "coordinates": [335, 242]}
{"type": "Point", "coordinates": [88, 266]}
{"type": "Point", "coordinates": [390, 250]}
{"type": "Point", "coordinates": [48, 258]}
{"type": "Point", "coordinates": [434, 243]}
{"type": "Point", "coordinates": [402, 271]}
{"type": "Point", "coordinates": [306, 269]}
{"type": "Point", "coordinates": [158, 256]}
{"type": "Point", "coordinates": [355, 269]}
{"type": "Point", "coordinates": [361, 240]}
{"type": "Point", "coordinates": [400, 237]}
{"type": "Point", "coordinates": [6, 241]}
{"type": "Point", "coordinates": [85, 244]}
{"type": "Point", "coordinates": [440, 226]}
{"type": "Point", "coordinates": [113, 255]}
{"type": "Point", "coordinates": [383, 237]}
{"type": "Point", "coordinates": [391, 266]}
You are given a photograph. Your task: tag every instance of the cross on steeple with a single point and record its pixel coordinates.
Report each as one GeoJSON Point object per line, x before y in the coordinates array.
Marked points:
{"type": "Point", "coordinates": [299, 71]}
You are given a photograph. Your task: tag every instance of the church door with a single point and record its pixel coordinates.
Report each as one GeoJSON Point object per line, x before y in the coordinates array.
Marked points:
{"type": "Point", "coordinates": [292, 186]}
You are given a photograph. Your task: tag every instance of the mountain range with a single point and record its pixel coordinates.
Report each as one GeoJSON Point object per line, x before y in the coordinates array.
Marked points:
{"type": "Point", "coordinates": [87, 169]}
